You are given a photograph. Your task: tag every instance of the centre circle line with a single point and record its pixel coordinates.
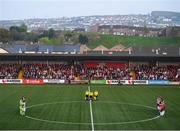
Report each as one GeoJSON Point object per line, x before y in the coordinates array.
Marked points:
{"type": "Point", "coordinates": [86, 123]}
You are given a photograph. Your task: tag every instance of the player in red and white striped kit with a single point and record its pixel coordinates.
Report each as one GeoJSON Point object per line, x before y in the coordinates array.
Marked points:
{"type": "Point", "coordinates": [160, 106]}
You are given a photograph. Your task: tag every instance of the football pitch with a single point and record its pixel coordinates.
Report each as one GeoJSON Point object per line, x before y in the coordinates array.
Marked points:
{"type": "Point", "coordinates": [62, 107]}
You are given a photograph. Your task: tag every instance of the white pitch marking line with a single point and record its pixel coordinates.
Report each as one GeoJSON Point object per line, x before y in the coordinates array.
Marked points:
{"type": "Point", "coordinates": [113, 102]}
{"type": "Point", "coordinates": [90, 106]}
{"type": "Point", "coordinates": [101, 124]}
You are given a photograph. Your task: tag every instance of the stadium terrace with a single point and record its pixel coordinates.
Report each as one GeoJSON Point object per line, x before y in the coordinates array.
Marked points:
{"type": "Point", "coordinates": [90, 70]}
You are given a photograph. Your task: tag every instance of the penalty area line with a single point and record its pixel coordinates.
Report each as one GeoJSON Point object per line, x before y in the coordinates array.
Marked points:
{"type": "Point", "coordinates": [90, 106]}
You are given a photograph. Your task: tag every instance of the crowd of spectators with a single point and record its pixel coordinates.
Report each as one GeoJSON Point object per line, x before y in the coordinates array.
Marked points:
{"type": "Point", "coordinates": [102, 72]}
{"type": "Point", "coordinates": [9, 71]}
{"type": "Point", "coordinates": [80, 71]}
{"type": "Point", "coordinates": [163, 72]}
{"type": "Point", "coordinates": [49, 71]}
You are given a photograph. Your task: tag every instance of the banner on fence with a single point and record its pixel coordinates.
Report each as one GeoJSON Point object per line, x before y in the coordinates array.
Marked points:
{"type": "Point", "coordinates": [112, 82]}
{"type": "Point", "coordinates": [127, 82]}
{"type": "Point", "coordinates": [32, 81]}
{"type": "Point", "coordinates": [98, 81]}
{"type": "Point", "coordinates": [158, 82]}
{"type": "Point", "coordinates": [79, 81]}
{"type": "Point", "coordinates": [174, 83]}
{"type": "Point", "coordinates": [54, 81]}
{"type": "Point", "coordinates": [140, 82]}
{"type": "Point", "coordinates": [10, 81]}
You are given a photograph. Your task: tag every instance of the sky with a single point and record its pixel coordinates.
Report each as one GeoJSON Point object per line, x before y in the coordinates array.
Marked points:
{"type": "Point", "coordinates": [25, 9]}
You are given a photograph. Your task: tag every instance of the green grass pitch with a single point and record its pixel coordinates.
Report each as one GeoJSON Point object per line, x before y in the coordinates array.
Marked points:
{"type": "Point", "coordinates": [72, 108]}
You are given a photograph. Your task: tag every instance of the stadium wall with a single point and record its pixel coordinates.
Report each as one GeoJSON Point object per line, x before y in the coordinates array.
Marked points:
{"type": "Point", "coordinates": [54, 58]}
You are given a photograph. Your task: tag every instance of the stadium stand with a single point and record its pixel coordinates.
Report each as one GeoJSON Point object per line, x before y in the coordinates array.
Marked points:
{"type": "Point", "coordinates": [87, 70]}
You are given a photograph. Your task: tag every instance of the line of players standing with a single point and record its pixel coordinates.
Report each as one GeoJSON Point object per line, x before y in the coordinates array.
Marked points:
{"type": "Point", "coordinates": [89, 95]}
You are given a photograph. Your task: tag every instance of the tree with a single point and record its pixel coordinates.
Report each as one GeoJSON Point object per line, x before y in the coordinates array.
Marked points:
{"type": "Point", "coordinates": [22, 28]}
{"type": "Point", "coordinates": [13, 28]}
{"type": "Point", "coordinates": [14, 35]}
{"type": "Point", "coordinates": [75, 38]}
{"type": "Point", "coordinates": [68, 36]}
{"type": "Point", "coordinates": [4, 35]}
{"type": "Point", "coordinates": [51, 33]}
{"type": "Point", "coordinates": [31, 37]}
{"type": "Point", "coordinates": [18, 32]}
{"type": "Point", "coordinates": [44, 40]}
{"type": "Point", "coordinates": [83, 39]}
{"type": "Point", "coordinates": [45, 34]}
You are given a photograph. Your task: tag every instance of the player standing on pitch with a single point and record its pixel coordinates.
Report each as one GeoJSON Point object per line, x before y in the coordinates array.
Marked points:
{"type": "Point", "coordinates": [161, 106]}
{"type": "Point", "coordinates": [22, 106]}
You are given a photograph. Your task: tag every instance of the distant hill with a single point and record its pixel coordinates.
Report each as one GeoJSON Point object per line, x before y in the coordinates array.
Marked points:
{"type": "Point", "coordinates": [167, 14]}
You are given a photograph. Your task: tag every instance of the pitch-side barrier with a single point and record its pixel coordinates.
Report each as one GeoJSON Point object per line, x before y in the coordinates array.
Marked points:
{"type": "Point", "coordinates": [98, 82]}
